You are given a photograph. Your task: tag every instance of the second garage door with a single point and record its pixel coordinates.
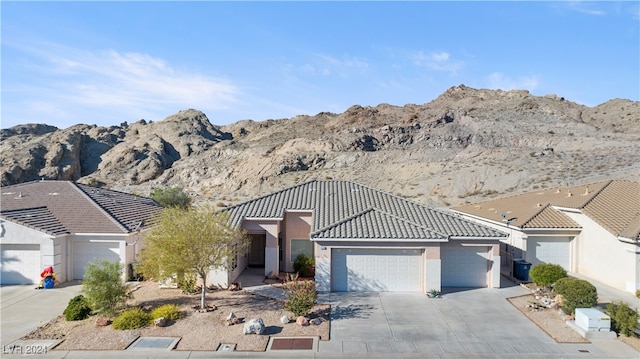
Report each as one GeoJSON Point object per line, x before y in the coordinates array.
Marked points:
{"type": "Point", "coordinates": [386, 270]}
{"type": "Point", "coordinates": [87, 252]}
{"type": "Point", "coordinates": [464, 266]}
{"type": "Point", "coordinates": [555, 251]}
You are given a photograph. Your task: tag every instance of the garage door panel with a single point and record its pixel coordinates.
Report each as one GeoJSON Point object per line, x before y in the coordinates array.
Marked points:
{"type": "Point", "coordinates": [376, 270]}
{"type": "Point", "coordinates": [87, 252]}
{"type": "Point", "coordinates": [556, 251]}
{"type": "Point", "coordinates": [464, 266]}
{"type": "Point", "coordinates": [21, 263]}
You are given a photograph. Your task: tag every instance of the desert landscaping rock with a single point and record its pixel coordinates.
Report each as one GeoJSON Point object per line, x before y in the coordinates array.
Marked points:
{"type": "Point", "coordinates": [302, 321]}
{"type": "Point", "coordinates": [315, 321]}
{"type": "Point", "coordinates": [198, 331]}
{"type": "Point", "coordinates": [284, 319]}
{"type": "Point", "coordinates": [160, 322]}
{"type": "Point", "coordinates": [254, 326]}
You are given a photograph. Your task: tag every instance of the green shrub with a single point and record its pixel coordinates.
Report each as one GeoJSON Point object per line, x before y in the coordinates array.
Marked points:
{"type": "Point", "coordinates": [304, 265]}
{"type": "Point", "coordinates": [104, 287]}
{"type": "Point", "coordinates": [131, 319]}
{"type": "Point", "coordinates": [576, 293]}
{"type": "Point", "coordinates": [167, 311]}
{"type": "Point", "coordinates": [301, 296]}
{"type": "Point", "coordinates": [624, 320]}
{"type": "Point", "coordinates": [187, 284]}
{"type": "Point", "coordinates": [638, 293]}
{"type": "Point", "coordinates": [545, 274]}
{"type": "Point", "coordinates": [77, 309]}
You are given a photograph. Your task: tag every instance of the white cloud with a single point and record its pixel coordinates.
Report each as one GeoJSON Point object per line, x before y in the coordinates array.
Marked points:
{"type": "Point", "coordinates": [70, 82]}
{"type": "Point", "coordinates": [498, 80]}
{"type": "Point", "coordinates": [585, 8]}
{"type": "Point", "coordinates": [437, 61]}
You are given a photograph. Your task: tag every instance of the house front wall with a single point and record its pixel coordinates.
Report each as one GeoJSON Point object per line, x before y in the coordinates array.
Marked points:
{"type": "Point", "coordinates": [604, 258]}
{"type": "Point", "coordinates": [296, 226]}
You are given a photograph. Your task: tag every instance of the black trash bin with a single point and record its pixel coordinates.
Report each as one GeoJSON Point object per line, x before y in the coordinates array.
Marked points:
{"type": "Point", "coordinates": [133, 274]}
{"type": "Point", "coordinates": [521, 269]}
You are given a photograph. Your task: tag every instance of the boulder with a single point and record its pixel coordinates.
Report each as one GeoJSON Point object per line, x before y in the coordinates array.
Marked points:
{"type": "Point", "coordinates": [315, 321]}
{"type": "Point", "coordinates": [160, 322]}
{"type": "Point", "coordinates": [103, 322]}
{"type": "Point", "coordinates": [254, 326]}
{"type": "Point", "coordinates": [284, 319]}
{"type": "Point", "coordinates": [232, 319]}
{"type": "Point", "coordinates": [302, 321]}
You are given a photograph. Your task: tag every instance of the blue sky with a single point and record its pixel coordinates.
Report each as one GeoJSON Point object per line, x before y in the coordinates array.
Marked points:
{"type": "Point", "coordinates": [104, 63]}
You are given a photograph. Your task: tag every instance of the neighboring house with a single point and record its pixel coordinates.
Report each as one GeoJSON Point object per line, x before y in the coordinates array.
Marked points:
{"type": "Point", "coordinates": [592, 230]}
{"type": "Point", "coordinates": [363, 239]}
{"type": "Point", "coordinates": [67, 225]}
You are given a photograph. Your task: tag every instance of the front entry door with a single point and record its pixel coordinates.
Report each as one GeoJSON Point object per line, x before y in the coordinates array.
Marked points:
{"type": "Point", "coordinates": [256, 250]}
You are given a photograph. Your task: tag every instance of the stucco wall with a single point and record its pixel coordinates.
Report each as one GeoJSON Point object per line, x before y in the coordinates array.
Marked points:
{"type": "Point", "coordinates": [297, 225]}
{"type": "Point", "coordinates": [604, 258]}
{"type": "Point", "coordinates": [271, 229]}
{"type": "Point", "coordinates": [50, 255]}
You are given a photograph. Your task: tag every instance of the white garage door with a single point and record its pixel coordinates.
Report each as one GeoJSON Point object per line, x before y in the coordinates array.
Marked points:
{"type": "Point", "coordinates": [20, 263]}
{"type": "Point", "coordinates": [87, 252]}
{"type": "Point", "coordinates": [386, 270]}
{"type": "Point", "coordinates": [554, 251]}
{"type": "Point", "coordinates": [464, 266]}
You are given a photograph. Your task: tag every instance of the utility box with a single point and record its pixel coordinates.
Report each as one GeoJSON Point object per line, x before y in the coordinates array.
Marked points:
{"type": "Point", "coordinates": [521, 269]}
{"type": "Point", "coordinates": [592, 320]}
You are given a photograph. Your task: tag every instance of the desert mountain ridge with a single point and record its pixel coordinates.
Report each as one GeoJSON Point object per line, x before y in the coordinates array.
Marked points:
{"type": "Point", "coordinates": [464, 146]}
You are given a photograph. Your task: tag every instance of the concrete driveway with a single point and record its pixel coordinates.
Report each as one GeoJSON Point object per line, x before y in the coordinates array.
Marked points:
{"type": "Point", "coordinates": [464, 323]}
{"type": "Point", "coordinates": [24, 308]}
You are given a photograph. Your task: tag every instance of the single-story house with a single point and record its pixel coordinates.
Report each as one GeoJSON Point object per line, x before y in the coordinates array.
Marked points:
{"type": "Point", "coordinates": [364, 239]}
{"type": "Point", "coordinates": [592, 230]}
{"type": "Point", "coordinates": [67, 225]}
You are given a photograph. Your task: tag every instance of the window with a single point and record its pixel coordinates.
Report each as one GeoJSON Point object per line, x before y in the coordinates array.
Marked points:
{"type": "Point", "coordinates": [301, 246]}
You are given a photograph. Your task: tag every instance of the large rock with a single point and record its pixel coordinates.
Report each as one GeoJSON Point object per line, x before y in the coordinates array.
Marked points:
{"type": "Point", "coordinates": [302, 321]}
{"type": "Point", "coordinates": [254, 326]}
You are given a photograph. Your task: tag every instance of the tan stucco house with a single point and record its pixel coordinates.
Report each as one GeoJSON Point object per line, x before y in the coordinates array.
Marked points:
{"type": "Point", "coordinates": [67, 225]}
{"type": "Point", "coordinates": [592, 230]}
{"type": "Point", "coordinates": [364, 239]}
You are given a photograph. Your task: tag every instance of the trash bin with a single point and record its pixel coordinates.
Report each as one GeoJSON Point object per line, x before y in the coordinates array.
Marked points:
{"type": "Point", "coordinates": [133, 275]}
{"type": "Point", "coordinates": [521, 269]}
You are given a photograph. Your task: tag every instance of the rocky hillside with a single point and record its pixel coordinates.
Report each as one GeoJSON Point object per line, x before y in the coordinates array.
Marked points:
{"type": "Point", "coordinates": [465, 145]}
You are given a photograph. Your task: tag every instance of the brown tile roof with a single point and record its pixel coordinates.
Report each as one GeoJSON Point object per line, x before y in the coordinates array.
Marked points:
{"type": "Point", "coordinates": [78, 208]}
{"type": "Point", "coordinates": [38, 218]}
{"type": "Point", "coordinates": [615, 205]}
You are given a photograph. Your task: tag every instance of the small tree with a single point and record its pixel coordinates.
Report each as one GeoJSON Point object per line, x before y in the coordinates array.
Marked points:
{"type": "Point", "coordinates": [171, 197]}
{"type": "Point", "coordinates": [576, 293]}
{"type": "Point", "coordinates": [624, 320]}
{"type": "Point", "coordinates": [301, 296]}
{"type": "Point", "coordinates": [104, 287]}
{"type": "Point", "coordinates": [192, 240]}
{"type": "Point", "coordinates": [545, 274]}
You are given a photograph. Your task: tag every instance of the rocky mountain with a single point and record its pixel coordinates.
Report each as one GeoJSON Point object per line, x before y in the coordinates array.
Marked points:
{"type": "Point", "coordinates": [466, 145]}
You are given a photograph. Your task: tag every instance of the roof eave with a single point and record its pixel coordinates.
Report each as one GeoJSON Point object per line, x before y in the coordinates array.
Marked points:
{"type": "Point", "coordinates": [377, 240]}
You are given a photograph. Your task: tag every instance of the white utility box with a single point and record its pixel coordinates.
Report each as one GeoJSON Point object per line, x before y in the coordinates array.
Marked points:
{"type": "Point", "coordinates": [592, 320]}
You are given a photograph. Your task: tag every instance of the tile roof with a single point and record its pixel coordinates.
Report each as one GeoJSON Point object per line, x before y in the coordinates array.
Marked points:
{"type": "Point", "coordinates": [78, 208]}
{"type": "Point", "coordinates": [348, 210]}
{"type": "Point", "coordinates": [614, 204]}
{"type": "Point", "coordinates": [39, 218]}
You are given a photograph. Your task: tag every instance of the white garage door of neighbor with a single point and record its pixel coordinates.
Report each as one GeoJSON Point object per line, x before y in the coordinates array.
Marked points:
{"type": "Point", "coordinates": [87, 252]}
{"type": "Point", "coordinates": [384, 270]}
{"type": "Point", "coordinates": [554, 251]}
{"type": "Point", "coordinates": [464, 266]}
{"type": "Point", "coordinates": [20, 263]}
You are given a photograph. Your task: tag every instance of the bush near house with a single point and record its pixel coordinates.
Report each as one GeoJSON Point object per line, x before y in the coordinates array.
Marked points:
{"type": "Point", "coordinates": [545, 274]}
{"type": "Point", "coordinates": [77, 309]}
{"type": "Point", "coordinates": [304, 265]}
{"type": "Point", "coordinates": [104, 287]}
{"type": "Point", "coordinates": [301, 296]}
{"type": "Point", "coordinates": [576, 293]}
{"type": "Point", "coordinates": [624, 320]}
{"type": "Point", "coordinates": [133, 318]}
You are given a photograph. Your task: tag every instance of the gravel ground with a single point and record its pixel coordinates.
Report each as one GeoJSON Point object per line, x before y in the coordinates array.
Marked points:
{"type": "Point", "coordinates": [198, 331]}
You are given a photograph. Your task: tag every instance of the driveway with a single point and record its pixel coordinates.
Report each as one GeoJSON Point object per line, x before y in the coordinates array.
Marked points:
{"type": "Point", "coordinates": [24, 308]}
{"type": "Point", "coordinates": [462, 323]}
